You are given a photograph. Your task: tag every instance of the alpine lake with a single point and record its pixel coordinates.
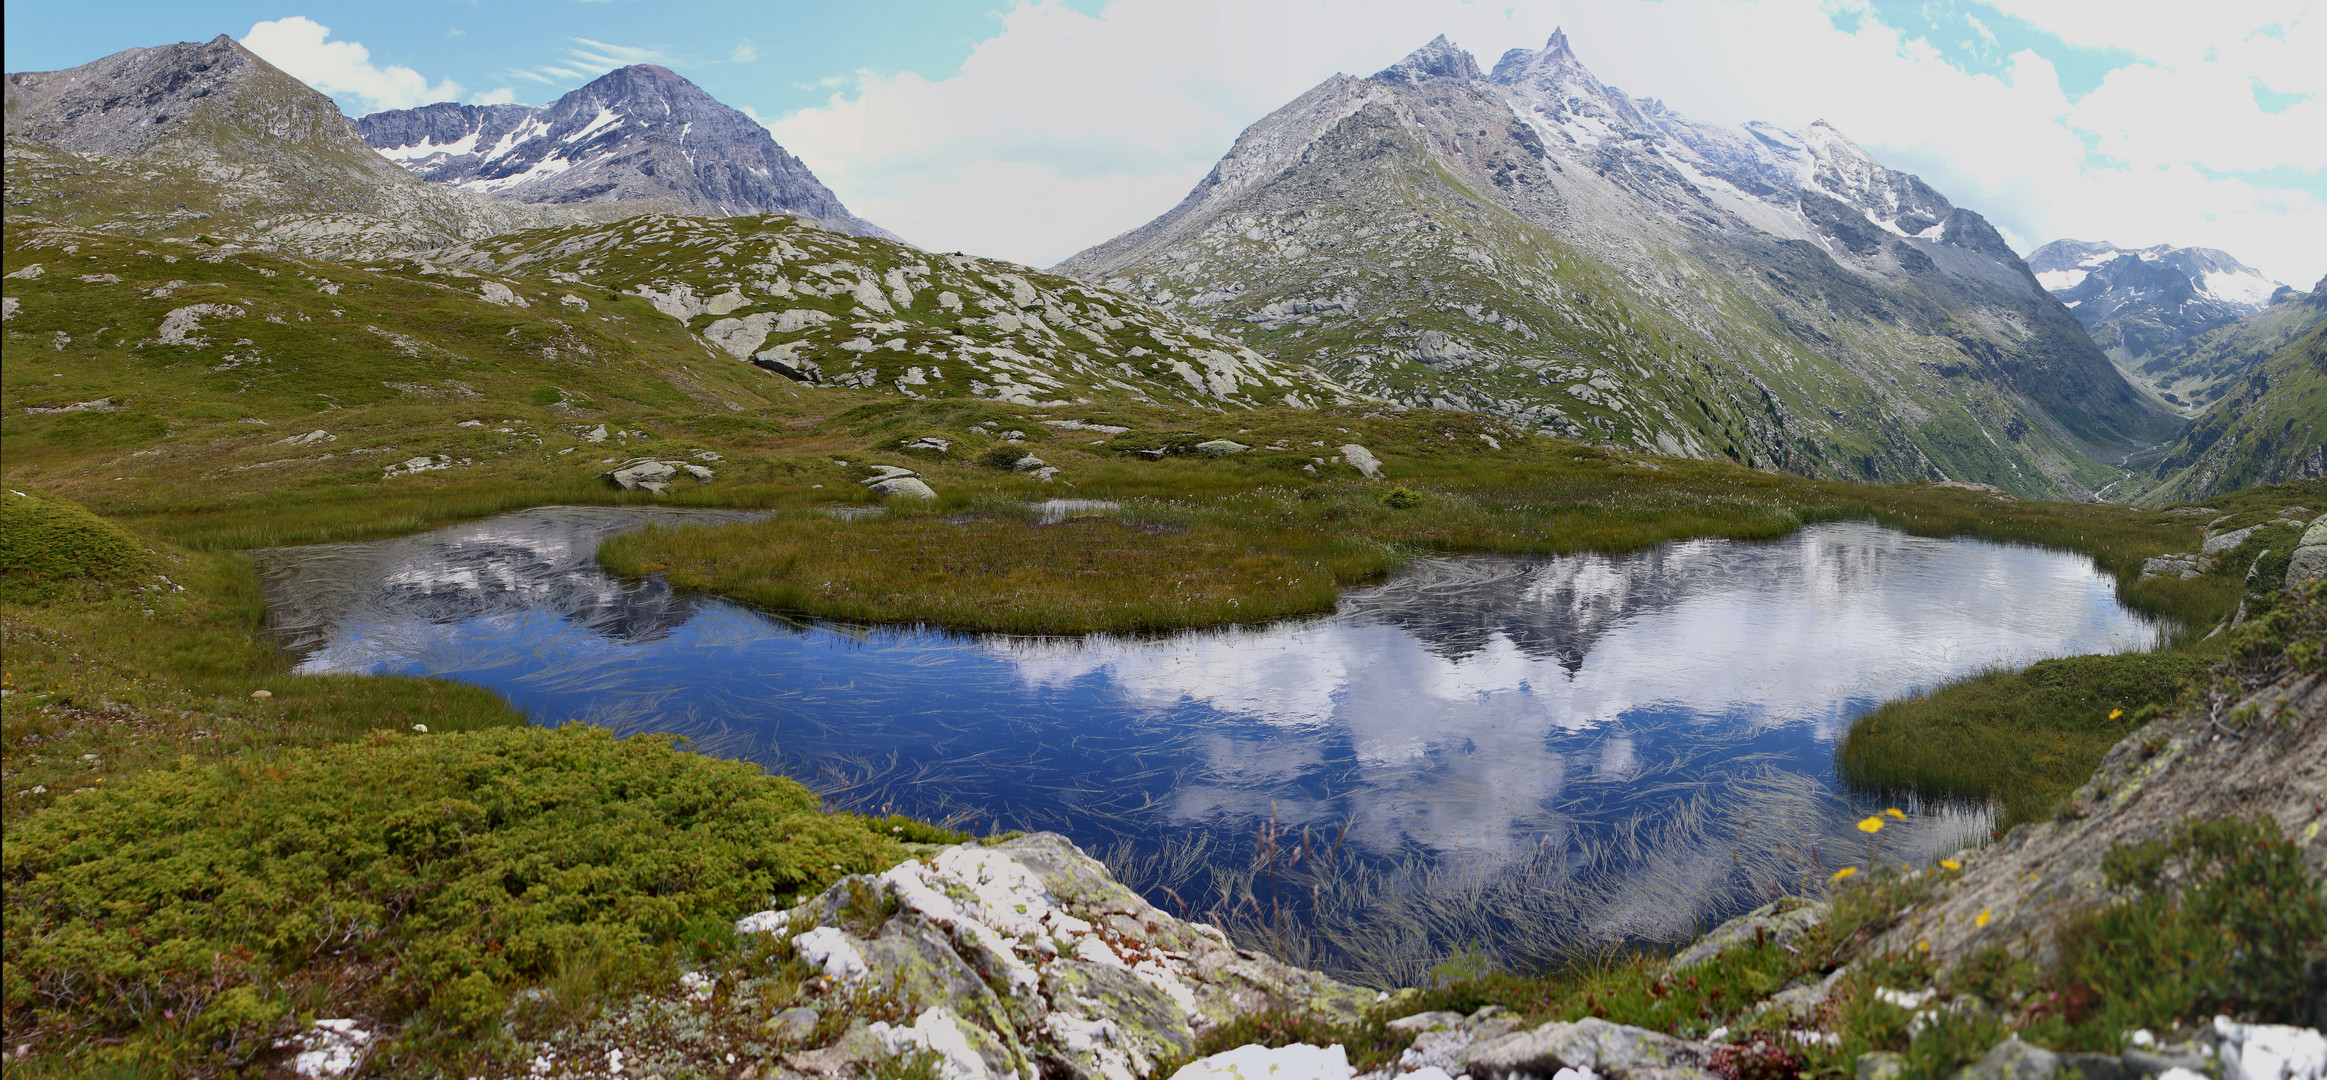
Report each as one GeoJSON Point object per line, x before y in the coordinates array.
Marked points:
{"type": "Point", "coordinates": [1509, 758]}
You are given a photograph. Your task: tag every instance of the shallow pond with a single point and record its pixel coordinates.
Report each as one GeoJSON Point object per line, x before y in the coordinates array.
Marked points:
{"type": "Point", "coordinates": [1524, 754]}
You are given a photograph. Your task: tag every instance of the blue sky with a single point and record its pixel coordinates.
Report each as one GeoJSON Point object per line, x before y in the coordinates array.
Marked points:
{"type": "Point", "coordinates": [1028, 129]}
{"type": "Point", "coordinates": [796, 49]}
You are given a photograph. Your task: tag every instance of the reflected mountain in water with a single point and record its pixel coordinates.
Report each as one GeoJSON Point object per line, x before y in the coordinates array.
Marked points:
{"type": "Point", "coordinates": [534, 562]}
{"type": "Point", "coordinates": [1558, 608]}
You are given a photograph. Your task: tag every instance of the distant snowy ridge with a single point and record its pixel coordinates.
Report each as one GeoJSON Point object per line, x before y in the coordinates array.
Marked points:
{"type": "Point", "coordinates": [2145, 304]}
{"type": "Point", "coordinates": [637, 134]}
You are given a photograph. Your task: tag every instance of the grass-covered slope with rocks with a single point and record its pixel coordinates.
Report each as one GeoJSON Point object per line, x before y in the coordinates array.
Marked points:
{"type": "Point", "coordinates": [831, 309]}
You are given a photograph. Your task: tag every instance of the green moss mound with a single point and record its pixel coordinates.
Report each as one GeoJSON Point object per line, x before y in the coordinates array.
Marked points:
{"type": "Point", "coordinates": [49, 545]}
{"type": "Point", "coordinates": [441, 870]}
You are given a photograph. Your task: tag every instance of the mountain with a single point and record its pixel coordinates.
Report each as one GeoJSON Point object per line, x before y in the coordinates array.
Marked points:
{"type": "Point", "coordinates": [639, 134]}
{"type": "Point", "coordinates": [1534, 243]}
{"type": "Point", "coordinates": [206, 136]}
{"type": "Point", "coordinates": [2267, 420]}
{"type": "Point", "coordinates": [2146, 305]}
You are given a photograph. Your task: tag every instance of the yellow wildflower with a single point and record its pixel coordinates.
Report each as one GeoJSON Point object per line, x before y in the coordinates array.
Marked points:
{"type": "Point", "coordinates": [1871, 825]}
{"type": "Point", "coordinates": [1981, 919]}
{"type": "Point", "coordinates": [1843, 873]}
{"type": "Point", "coordinates": [1897, 813]}
{"type": "Point", "coordinates": [1951, 864]}
{"type": "Point", "coordinates": [2115, 713]}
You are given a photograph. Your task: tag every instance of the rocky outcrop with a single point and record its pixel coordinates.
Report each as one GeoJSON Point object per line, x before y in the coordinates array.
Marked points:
{"type": "Point", "coordinates": [1025, 958]}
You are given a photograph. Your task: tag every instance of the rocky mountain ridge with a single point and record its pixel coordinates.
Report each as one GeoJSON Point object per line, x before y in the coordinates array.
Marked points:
{"type": "Point", "coordinates": [1534, 243]}
{"type": "Point", "coordinates": [638, 134]}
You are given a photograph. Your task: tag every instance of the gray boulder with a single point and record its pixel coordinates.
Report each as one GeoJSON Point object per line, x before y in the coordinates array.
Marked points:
{"type": "Point", "coordinates": [1362, 459]}
{"type": "Point", "coordinates": [909, 487]}
{"type": "Point", "coordinates": [2310, 559]}
{"type": "Point", "coordinates": [1780, 920]}
{"type": "Point", "coordinates": [2012, 1060]}
{"type": "Point", "coordinates": [1614, 1051]}
{"type": "Point", "coordinates": [2218, 543]}
{"type": "Point", "coordinates": [654, 475]}
{"type": "Point", "coordinates": [1221, 447]}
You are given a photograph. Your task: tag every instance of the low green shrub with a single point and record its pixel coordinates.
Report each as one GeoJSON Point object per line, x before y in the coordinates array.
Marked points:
{"type": "Point", "coordinates": [1004, 457]}
{"type": "Point", "coordinates": [439, 869]}
{"type": "Point", "coordinates": [2222, 919]}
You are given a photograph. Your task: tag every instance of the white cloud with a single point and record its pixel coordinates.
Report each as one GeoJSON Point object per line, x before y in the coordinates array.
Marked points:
{"type": "Point", "coordinates": [505, 95]}
{"type": "Point", "coordinates": [342, 69]}
{"type": "Point", "coordinates": [1063, 129]}
{"type": "Point", "coordinates": [744, 52]}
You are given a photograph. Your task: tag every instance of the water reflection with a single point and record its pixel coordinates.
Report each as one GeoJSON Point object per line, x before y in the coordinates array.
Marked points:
{"type": "Point", "coordinates": [1522, 752]}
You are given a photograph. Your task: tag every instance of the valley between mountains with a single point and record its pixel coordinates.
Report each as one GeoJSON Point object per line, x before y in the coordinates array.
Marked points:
{"type": "Point", "coordinates": [1415, 329]}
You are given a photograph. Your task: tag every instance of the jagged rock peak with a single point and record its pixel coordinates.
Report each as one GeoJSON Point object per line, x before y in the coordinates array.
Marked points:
{"type": "Point", "coordinates": [1518, 64]}
{"type": "Point", "coordinates": [1439, 60]}
{"type": "Point", "coordinates": [642, 133]}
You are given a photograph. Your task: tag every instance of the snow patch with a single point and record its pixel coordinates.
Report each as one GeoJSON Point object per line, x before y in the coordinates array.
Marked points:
{"type": "Point", "coordinates": [2062, 280]}
{"type": "Point", "coordinates": [543, 169]}
{"type": "Point", "coordinates": [2242, 289]}
{"type": "Point", "coordinates": [424, 149]}
{"type": "Point", "coordinates": [606, 118]}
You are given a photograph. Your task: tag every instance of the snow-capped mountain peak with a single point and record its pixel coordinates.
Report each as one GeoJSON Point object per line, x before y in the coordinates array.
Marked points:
{"type": "Point", "coordinates": [641, 133]}
{"type": "Point", "coordinates": [2138, 301]}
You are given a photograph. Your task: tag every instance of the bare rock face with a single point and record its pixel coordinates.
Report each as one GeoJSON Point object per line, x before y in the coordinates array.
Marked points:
{"type": "Point", "coordinates": [640, 134]}
{"type": "Point", "coordinates": [1026, 958]}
